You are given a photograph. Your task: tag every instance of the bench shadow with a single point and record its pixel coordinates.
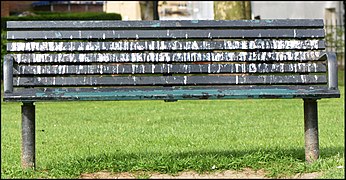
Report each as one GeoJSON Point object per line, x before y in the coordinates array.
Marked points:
{"type": "Point", "coordinates": [186, 160]}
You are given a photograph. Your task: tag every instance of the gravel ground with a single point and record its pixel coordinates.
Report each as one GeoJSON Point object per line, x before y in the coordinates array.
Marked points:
{"type": "Point", "coordinates": [244, 174]}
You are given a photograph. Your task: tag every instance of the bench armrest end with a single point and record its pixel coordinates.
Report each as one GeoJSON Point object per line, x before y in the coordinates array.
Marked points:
{"type": "Point", "coordinates": [8, 74]}
{"type": "Point", "coordinates": [332, 70]}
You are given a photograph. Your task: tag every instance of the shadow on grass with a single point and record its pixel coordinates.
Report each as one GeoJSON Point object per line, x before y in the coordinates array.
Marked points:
{"type": "Point", "coordinates": [199, 161]}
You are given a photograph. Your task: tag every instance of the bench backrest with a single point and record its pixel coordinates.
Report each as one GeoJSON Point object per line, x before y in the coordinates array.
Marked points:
{"type": "Point", "coordinates": [142, 54]}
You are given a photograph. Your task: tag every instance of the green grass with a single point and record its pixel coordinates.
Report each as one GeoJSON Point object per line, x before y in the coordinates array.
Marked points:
{"type": "Point", "coordinates": [154, 136]}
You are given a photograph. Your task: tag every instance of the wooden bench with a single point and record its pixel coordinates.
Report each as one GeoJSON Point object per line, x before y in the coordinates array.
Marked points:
{"type": "Point", "coordinates": [168, 60]}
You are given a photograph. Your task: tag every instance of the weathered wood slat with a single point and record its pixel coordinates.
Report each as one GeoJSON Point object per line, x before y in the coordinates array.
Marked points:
{"type": "Point", "coordinates": [278, 23]}
{"type": "Point", "coordinates": [264, 44]}
{"type": "Point", "coordinates": [157, 93]}
{"type": "Point", "coordinates": [168, 57]}
{"type": "Point", "coordinates": [166, 34]}
{"type": "Point", "coordinates": [170, 68]}
{"type": "Point", "coordinates": [168, 80]}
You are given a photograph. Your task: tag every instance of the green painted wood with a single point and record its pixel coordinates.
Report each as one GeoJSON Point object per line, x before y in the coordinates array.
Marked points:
{"type": "Point", "coordinates": [88, 54]}
{"type": "Point", "coordinates": [156, 24]}
{"type": "Point", "coordinates": [161, 57]}
{"type": "Point", "coordinates": [177, 45]}
{"type": "Point", "coordinates": [174, 93]}
{"type": "Point", "coordinates": [164, 34]}
{"type": "Point", "coordinates": [169, 80]}
{"type": "Point", "coordinates": [104, 69]}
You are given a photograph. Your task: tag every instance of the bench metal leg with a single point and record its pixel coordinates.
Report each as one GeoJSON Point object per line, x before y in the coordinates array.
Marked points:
{"type": "Point", "coordinates": [311, 130]}
{"type": "Point", "coordinates": [28, 135]}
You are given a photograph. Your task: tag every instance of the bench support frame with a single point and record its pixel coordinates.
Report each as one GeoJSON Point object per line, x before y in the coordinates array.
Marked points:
{"type": "Point", "coordinates": [28, 135]}
{"type": "Point", "coordinates": [28, 132]}
{"type": "Point", "coordinates": [312, 150]}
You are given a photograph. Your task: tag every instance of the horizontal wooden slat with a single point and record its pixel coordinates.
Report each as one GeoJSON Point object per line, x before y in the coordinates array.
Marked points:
{"type": "Point", "coordinates": [166, 34]}
{"type": "Point", "coordinates": [278, 23]}
{"type": "Point", "coordinates": [265, 44]}
{"type": "Point", "coordinates": [168, 80]}
{"type": "Point", "coordinates": [168, 57]}
{"type": "Point", "coordinates": [170, 93]}
{"type": "Point", "coordinates": [170, 68]}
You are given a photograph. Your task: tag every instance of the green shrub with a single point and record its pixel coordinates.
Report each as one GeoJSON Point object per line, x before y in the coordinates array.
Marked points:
{"type": "Point", "coordinates": [62, 16]}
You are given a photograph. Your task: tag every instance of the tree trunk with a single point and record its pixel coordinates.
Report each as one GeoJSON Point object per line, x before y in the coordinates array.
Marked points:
{"type": "Point", "coordinates": [232, 10]}
{"type": "Point", "coordinates": [149, 10]}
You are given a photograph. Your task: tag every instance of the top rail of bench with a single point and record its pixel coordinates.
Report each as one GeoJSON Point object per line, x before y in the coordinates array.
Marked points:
{"type": "Point", "coordinates": [236, 24]}
{"type": "Point", "coordinates": [166, 29]}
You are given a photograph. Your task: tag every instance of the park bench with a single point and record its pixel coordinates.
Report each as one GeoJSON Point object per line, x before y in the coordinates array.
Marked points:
{"type": "Point", "coordinates": [168, 60]}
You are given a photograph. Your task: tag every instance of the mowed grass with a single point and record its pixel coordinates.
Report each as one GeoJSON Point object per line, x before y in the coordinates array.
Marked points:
{"type": "Point", "coordinates": [153, 136]}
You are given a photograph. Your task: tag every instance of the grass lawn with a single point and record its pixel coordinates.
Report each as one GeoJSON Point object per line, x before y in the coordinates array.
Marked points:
{"type": "Point", "coordinates": [153, 136]}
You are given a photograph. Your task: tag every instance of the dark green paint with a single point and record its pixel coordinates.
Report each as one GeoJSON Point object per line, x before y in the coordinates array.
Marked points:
{"type": "Point", "coordinates": [177, 94]}
{"type": "Point", "coordinates": [156, 24]}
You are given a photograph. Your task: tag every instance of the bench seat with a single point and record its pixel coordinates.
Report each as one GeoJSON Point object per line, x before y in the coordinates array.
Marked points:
{"type": "Point", "coordinates": [170, 93]}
